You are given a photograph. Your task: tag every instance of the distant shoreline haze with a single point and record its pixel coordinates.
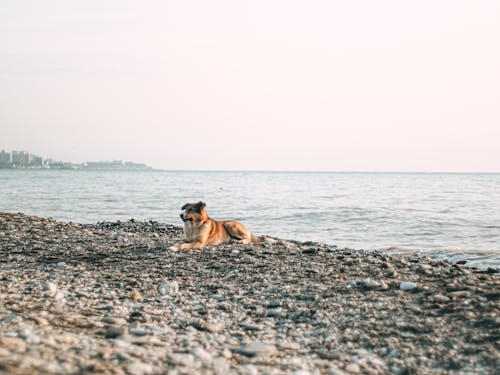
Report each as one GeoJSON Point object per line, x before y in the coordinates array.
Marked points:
{"type": "Point", "coordinates": [26, 160]}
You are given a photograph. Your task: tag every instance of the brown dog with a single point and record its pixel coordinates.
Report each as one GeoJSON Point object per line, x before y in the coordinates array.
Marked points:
{"type": "Point", "coordinates": [201, 230]}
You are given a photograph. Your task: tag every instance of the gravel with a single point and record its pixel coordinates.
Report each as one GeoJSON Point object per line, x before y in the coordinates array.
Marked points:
{"type": "Point", "coordinates": [111, 298]}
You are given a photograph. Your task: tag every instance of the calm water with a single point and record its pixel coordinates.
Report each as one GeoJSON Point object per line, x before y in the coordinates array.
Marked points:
{"type": "Point", "coordinates": [455, 216]}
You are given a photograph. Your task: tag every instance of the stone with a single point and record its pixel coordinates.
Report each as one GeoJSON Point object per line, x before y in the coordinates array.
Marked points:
{"type": "Point", "coordinates": [257, 349]}
{"type": "Point", "coordinates": [202, 354]}
{"type": "Point", "coordinates": [139, 332]}
{"type": "Point", "coordinates": [187, 360]}
{"type": "Point", "coordinates": [139, 368]}
{"type": "Point", "coordinates": [407, 285]}
{"type": "Point", "coordinates": [115, 320]}
{"type": "Point", "coordinates": [298, 302]}
{"type": "Point", "coordinates": [13, 344]}
{"type": "Point", "coordinates": [115, 331]}
{"type": "Point", "coordinates": [136, 296]}
{"type": "Point", "coordinates": [8, 319]}
{"type": "Point", "coordinates": [352, 284]}
{"type": "Point", "coordinates": [170, 288]}
{"type": "Point", "coordinates": [439, 298]}
{"type": "Point", "coordinates": [353, 368]}
{"type": "Point", "coordinates": [221, 367]}
{"type": "Point", "coordinates": [370, 283]}
{"type": "Point", "coordinates": [49, 287]}
{"type": "Point", "coordinates": [205, 326]}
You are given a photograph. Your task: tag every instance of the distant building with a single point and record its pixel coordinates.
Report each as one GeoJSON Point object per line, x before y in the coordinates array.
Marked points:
{"type": "Point", "coordinates": [36, 161]}
{"type": "Point", "coordinates": [20, 158]}
{"type": "Point", "coordinates": [5, 157]}
{"type": "Point", "coordinates": [23, 159]}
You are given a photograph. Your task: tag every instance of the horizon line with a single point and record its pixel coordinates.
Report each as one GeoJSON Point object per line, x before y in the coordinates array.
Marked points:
{"type": "Point", "coordinates": [320, 171]}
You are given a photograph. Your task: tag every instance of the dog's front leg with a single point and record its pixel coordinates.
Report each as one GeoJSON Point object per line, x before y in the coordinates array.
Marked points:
{"type": "Point", "coordinates": [186, 245]}
{"type": "Point", "coordinates": [177, 246]}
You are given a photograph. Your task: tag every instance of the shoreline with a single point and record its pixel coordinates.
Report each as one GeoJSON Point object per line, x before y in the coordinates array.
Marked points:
{"type": "Point", "coordinates": [110, 298]}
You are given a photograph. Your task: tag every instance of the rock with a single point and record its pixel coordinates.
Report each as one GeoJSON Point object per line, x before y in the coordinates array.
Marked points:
{"type": "Point", "coordinates": [8, 319]}
{"type": "Point", "coordinates": [257, 349]}
{"type": "Point", "coordinates": [115, 331]}
{"type": "Point", "coordinates": [370, 283]}
{"type": "Point", "coordinates": [170, 288]}
{"type": "Point", "coordinates": [353, 368]}
{"type": "Point", "coordinates": [50, 287]}
{"type": "Point", "coordinates": [439, 298]}
{"type": "Point", "coordinates": [139, 332]}
{"type": "Point", "coordinates": [249, 370]}
{"type": "Point", "coordinates": [136, 296]}
{"type": "Point", "coordinates": [407, 285]}
{"type": "Point", "coordinates": [202, 354]}
{"type": "Point", "coordinates": [226, 353]}
{"type": "Point", "coordinates": [269, 310]}
{"type": "Point", "coordinates": [59, 296]}
{"type": "Point", "coordinates": [40, 320]}
{"type": "Point", "coordinates": [221, 367]}
{"type": "Point", "coordinates": [186, 360]}
{"type": "Point", "coordinates": [139, 368]}
{"type": "Point", "coordinates": [459, 294]}
{"type": "Point", "coordinates": [205, 326]}
{"type": "Point", "coordinates": [28, 335]}
{"type": "Point", "coordinates": [115, 320]}
{"type": "Point", "coordinates": [13, 344]}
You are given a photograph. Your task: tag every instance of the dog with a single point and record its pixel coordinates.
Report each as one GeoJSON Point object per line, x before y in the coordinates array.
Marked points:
{"type": "Point", "coordinates": [201, 230]}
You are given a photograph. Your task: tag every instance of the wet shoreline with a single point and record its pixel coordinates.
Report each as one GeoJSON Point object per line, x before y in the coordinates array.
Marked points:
{"type": "Point", "coordinates": [110, 298]}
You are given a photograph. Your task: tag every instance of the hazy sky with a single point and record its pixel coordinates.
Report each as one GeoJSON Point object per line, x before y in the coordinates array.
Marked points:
{"type": "Point", "coordinates": [261, 85]}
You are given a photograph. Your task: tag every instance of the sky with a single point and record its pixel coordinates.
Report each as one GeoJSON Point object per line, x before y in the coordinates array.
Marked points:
{"type": "Point", "coordinates": [254, 85]}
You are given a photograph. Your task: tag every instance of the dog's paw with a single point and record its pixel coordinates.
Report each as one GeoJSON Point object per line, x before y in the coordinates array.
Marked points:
{"type": "Point", "coordinates": [174, 248]}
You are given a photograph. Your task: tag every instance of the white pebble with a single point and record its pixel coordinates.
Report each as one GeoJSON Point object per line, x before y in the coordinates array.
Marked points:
{"type": "Point", "coordinates": [407, 285]}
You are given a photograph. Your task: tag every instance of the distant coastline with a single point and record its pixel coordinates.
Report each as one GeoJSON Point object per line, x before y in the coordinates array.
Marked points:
{"type": "Point", "coordinates": [26, 160]}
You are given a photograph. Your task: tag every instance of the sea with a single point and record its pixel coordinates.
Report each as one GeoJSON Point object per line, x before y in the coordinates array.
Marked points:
{"type": "Point", "coordinates": [453, 216]}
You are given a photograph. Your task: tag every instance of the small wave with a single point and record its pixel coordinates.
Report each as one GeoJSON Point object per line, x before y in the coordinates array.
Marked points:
{"type": "Point", "coordinates": [474, 257]}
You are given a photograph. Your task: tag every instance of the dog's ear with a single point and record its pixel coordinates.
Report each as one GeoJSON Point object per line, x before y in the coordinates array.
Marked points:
{"type": "Point", "coordinates": [200, 205]}
{"type": "Point", "coordinates": [183, 207]}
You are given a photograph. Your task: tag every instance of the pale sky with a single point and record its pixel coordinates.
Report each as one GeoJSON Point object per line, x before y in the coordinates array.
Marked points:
{"type": "Point", "coordinates": [254, 85]}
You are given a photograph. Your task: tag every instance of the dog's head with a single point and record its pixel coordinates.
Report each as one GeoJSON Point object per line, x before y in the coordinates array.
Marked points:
{"type": "Point", "coordinates": [194, 212]}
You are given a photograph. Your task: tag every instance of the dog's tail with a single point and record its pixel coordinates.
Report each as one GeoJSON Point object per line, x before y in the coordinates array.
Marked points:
{"type": "Point", "coordinates": [262, 239]}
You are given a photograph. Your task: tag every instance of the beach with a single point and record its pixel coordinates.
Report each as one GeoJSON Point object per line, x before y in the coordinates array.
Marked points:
{"type": "Point", "coordinates": [111, 298]}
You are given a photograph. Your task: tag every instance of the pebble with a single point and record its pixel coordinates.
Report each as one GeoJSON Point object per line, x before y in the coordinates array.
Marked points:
{"type": "Point", "coordinates": [130, 307]}
{"type": "Point", "coordinates": [8, 319]}
{"type": "Point", "coordinates": [370, 283]}
{"type": "Point", "coordinates": [439, 298]}
{"type": "Point", "coordinates": [353, 368]}
{"type": "Point", "coordinates": [136, 296]}
{"type": "Point", "coordinates": [139, 368]}
{"type": "Point", "coordinates": [115, 331]}
{"type": "Point", "coordinates": [50, 287]}
{"type": "Point", "coordinates": [186, 360]}
{"type": "Point", "coordinates": [169, 288]}
{"type": "Point", "coordinates": [115, 320]}
{"type": "Point", "coordinates": [139, 332]}
{"type": "Point", "coordinates": [407, 285]}
{"type": "Point", "coordinates": [13, 343]}
{"type": "Point", "coordinates": [202, 354]}
{"type": "Point", "coordinates": [255, 349]}
{"type": "Point", "coordinates": [352, 284]}
{"type": "Point", "coordinates": [206, 326]}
